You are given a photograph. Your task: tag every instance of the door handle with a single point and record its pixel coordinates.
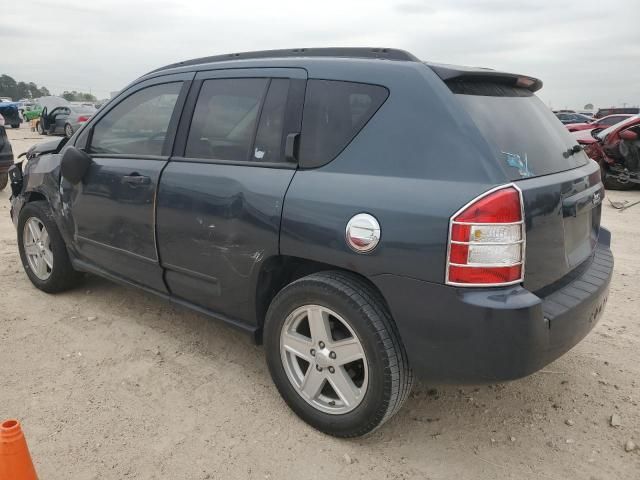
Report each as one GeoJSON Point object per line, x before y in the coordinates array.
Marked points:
{"type": "Point", "coordinates": [136, 180]}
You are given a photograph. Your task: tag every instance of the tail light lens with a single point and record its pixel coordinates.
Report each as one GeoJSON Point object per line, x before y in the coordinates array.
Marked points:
{"type": "Point", "coordinates": [83, 118]}
{"type": "Point", "coordinates": [487, 240]}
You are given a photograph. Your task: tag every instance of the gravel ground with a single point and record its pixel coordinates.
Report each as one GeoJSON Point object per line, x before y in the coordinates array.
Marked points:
{"type": "Point", "coordinates": [113, 383]}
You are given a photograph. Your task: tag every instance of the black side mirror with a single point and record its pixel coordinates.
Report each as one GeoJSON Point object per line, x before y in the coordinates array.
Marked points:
{"type": "Point", "coordinates": [74, 165]}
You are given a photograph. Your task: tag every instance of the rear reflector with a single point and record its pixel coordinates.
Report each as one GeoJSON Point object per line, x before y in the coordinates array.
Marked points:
{"type": "Point", "coordinates": [487, 240]}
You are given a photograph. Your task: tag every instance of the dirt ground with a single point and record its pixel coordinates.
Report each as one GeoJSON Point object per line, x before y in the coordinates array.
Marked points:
{"type": "Point", "coordinates": [114, 383]}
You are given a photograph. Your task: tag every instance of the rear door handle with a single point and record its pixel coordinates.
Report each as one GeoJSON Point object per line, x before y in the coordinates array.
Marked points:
{"type": "Point", "coordinates": [136, 180]}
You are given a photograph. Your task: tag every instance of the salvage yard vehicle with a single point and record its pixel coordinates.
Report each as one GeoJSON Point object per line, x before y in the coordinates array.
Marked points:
{"type": "Point", "coordinates": [9, 110]}
{"type": "Point", "coordinates": [617, 151]}
{"type": "Point", "coordinates": [64, 119]}
{"type": "Point", "coordinates": [602, 123]}
{"type": "Point", "coordinates": [568, 118]}
{"type": "Point", "coordinates": [365, 215]}
{"type": "Point", "coordinates": [6, 158]}
{"type": "Point", "coordinates": [31, 112]}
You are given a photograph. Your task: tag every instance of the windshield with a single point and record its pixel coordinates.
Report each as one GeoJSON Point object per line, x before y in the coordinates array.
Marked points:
{"type": "Point", "coordinates": [603, 134]}
{"type": "Point", "coordinates": [524, 134]}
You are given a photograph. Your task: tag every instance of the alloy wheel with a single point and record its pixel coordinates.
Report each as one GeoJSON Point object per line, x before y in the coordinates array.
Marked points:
{"type": "Point", "coordinates": [324, 360]}
{"type": "Point", "coordinates": [37, 248]}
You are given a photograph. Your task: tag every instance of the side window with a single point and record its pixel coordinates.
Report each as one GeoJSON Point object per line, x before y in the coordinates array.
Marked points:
{"type": "Point", "coordinates": [224, 120]}
{"type": "Point", "coordinates": [269, 142]}
{"type": "Point", "coordinates": [137, 125]}
{"type": "Point", "coordinates": [334, 113]}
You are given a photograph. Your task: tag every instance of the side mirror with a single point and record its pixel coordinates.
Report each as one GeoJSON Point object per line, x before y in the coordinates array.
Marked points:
{"type": "Point", "coordinates": [628, 135]}
{"type": "Point", "coordinates": [74, 165]}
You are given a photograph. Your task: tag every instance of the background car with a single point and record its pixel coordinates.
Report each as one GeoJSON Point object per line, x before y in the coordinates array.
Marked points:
{"type": "Point", "coordinates": [6, 158]}
{"type": "Point", "coordinates": [63, 119]}
{"type": "Point", "coordinates": [31, 112]}
{"type": "Point", "coordinates": [1, 121]}
{"type": "Point", "coordinates": [9, 110]}
{"type": "Point", "coordinates": [603, 112]}
{"type": "Point", "coordinates": [602, 123]}
{"type": "Point", "coordinates": [567, 118]}
{"type": "Point", "coordinates": [620, 169]}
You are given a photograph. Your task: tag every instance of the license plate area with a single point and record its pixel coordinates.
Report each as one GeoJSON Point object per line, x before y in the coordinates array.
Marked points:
{"type": "Point", "coordinates": [581, 222]}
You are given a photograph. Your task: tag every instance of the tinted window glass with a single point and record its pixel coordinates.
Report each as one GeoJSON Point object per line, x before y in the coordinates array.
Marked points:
{"type": "Point", "coordinates": [611, 120]}
{"type": "Point", "coordinates": [268, 145]}
{"type": "Point", "coordinates": [137, 125]}
{"type": "Point", "coordinates": [523, 133]}
{"type": "Point", "coordinates": [334, 113]}
{"type": "Point", "coordinates": [224, 119]}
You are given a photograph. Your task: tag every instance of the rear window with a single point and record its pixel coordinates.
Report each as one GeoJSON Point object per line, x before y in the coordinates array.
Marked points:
{"type": "Point", "coordinates": [334, 113]}
{"type": "Point", "coordinates": [523, 132]}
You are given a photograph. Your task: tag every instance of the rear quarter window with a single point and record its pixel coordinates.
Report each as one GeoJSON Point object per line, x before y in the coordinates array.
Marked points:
{"type": "Point", "coordinates": [334, 113]}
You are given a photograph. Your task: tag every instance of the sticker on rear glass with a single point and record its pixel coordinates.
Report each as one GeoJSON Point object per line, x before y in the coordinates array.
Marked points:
{"type": "Point", "coordinates": [514, 160]}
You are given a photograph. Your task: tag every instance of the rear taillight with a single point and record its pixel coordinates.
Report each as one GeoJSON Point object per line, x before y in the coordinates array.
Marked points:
{"type": "Point", "coordinates": [83, 119]}
{"type": "Point", "coordinates": [487, 240]}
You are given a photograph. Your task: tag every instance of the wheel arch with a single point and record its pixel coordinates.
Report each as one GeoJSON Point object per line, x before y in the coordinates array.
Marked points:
{"type": "Point", "coordinates": [280, 270]}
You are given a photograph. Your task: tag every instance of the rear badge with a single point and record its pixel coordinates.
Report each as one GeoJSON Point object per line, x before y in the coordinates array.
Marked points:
{"type": "Point", "coordinates": [596, 199]}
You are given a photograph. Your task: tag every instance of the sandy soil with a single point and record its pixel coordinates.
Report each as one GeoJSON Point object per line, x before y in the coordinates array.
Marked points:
{"type": "Point", "coordinates": [113, 383]}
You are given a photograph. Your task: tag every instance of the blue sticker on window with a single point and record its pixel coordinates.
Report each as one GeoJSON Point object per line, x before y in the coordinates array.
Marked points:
{"type": "Point", "coordinates": [514, 160]}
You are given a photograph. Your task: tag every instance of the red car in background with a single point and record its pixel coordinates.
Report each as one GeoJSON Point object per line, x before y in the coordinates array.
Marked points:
{"type": "Point", "coordinates": [600, 123]}
{"type": "Point", "coordinates": [617, 151]}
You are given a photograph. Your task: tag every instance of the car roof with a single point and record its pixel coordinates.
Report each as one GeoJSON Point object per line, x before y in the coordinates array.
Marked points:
{"type": "Point", "coordinates": [305, 56]}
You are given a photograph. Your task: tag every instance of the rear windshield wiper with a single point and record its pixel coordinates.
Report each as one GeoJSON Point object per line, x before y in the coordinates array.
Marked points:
{"type": "Point", "coordinates": [572, 151]}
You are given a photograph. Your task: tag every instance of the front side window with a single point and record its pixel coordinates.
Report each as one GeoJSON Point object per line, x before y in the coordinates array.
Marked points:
{"type": "Point", "coordinates": [138, 125]}
{"type": "Point", "coordinates": [225, 117]}
{"type": "Point", "coordinates": [334, 113]}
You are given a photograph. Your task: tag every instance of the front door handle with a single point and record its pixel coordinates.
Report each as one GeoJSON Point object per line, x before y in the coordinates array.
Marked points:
{"type": "Point", "coordinates": [136, 180]}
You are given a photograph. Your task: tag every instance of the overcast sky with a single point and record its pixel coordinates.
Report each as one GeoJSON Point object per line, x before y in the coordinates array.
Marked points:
{"type": "Point", "coordinates": [585, 51]}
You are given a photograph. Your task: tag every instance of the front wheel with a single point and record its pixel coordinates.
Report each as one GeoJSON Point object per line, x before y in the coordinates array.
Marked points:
{"type": "Point", "coordinates": [335, 355]}
{"type": "Point", "coordinates": [39, 128]}
{"type": "Point", "coordinates": [4, 180]}
{"type": "Point", "coordinates": [42, 250]}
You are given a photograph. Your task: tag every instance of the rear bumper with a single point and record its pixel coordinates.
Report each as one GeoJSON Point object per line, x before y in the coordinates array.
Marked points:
{"type": "Point", "coordinates": [467, 335]}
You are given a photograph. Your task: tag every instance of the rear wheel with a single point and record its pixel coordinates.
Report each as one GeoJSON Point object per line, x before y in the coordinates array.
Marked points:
{"type": "Point", "coordinates": [68, 131]}
{"type": "Point", "coordinates": [4, 180]}
{"type": "Point", "coordinates": [39, 128]}
{"type": "Point", "coordinates": [42, 250]}
{"type": "Point", "coordinates": [335, 355]}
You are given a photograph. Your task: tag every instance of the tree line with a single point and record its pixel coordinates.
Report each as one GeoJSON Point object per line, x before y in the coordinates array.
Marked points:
{"type": "Point", "coordinates": [17, 90]}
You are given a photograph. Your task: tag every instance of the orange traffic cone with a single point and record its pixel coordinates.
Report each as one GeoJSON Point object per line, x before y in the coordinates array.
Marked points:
{"type": "Point", "coordinates": [15, 461]}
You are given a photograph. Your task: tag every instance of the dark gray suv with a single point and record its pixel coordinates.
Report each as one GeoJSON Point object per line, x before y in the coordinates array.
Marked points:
{"type": "Point", "coordinates": [365, 215]}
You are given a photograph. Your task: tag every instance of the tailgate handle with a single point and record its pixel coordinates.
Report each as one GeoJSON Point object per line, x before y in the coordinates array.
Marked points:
{"type": "Point", "coordinates": [586, 200]}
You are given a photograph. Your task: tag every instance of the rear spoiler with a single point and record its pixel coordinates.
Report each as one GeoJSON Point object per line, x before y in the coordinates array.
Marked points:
{"type": "Point", "coordinates": [449, 73]}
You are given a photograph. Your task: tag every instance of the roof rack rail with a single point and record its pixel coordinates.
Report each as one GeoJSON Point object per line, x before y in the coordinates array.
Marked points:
{"type": "Point", "coordinates": [381, 53]}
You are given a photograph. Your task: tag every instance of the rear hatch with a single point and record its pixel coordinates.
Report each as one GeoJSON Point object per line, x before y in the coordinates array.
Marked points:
{"type": "Point", "coordinates": [561, 187]}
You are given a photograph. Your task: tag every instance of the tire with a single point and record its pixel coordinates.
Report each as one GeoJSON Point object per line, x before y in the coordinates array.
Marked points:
{"type": "Point", "coordinates": [351, 302]}
{"type": "Point", "coordinates": [68, 130]}
{"type": "Point", "coordinates": [612, 183]}
{"type": "Point", "coordinates": [61, 275]}
{"type": "Point", "coordinates": [4, 180]}
{"type": "Point", "coordinates": [39, 128]}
